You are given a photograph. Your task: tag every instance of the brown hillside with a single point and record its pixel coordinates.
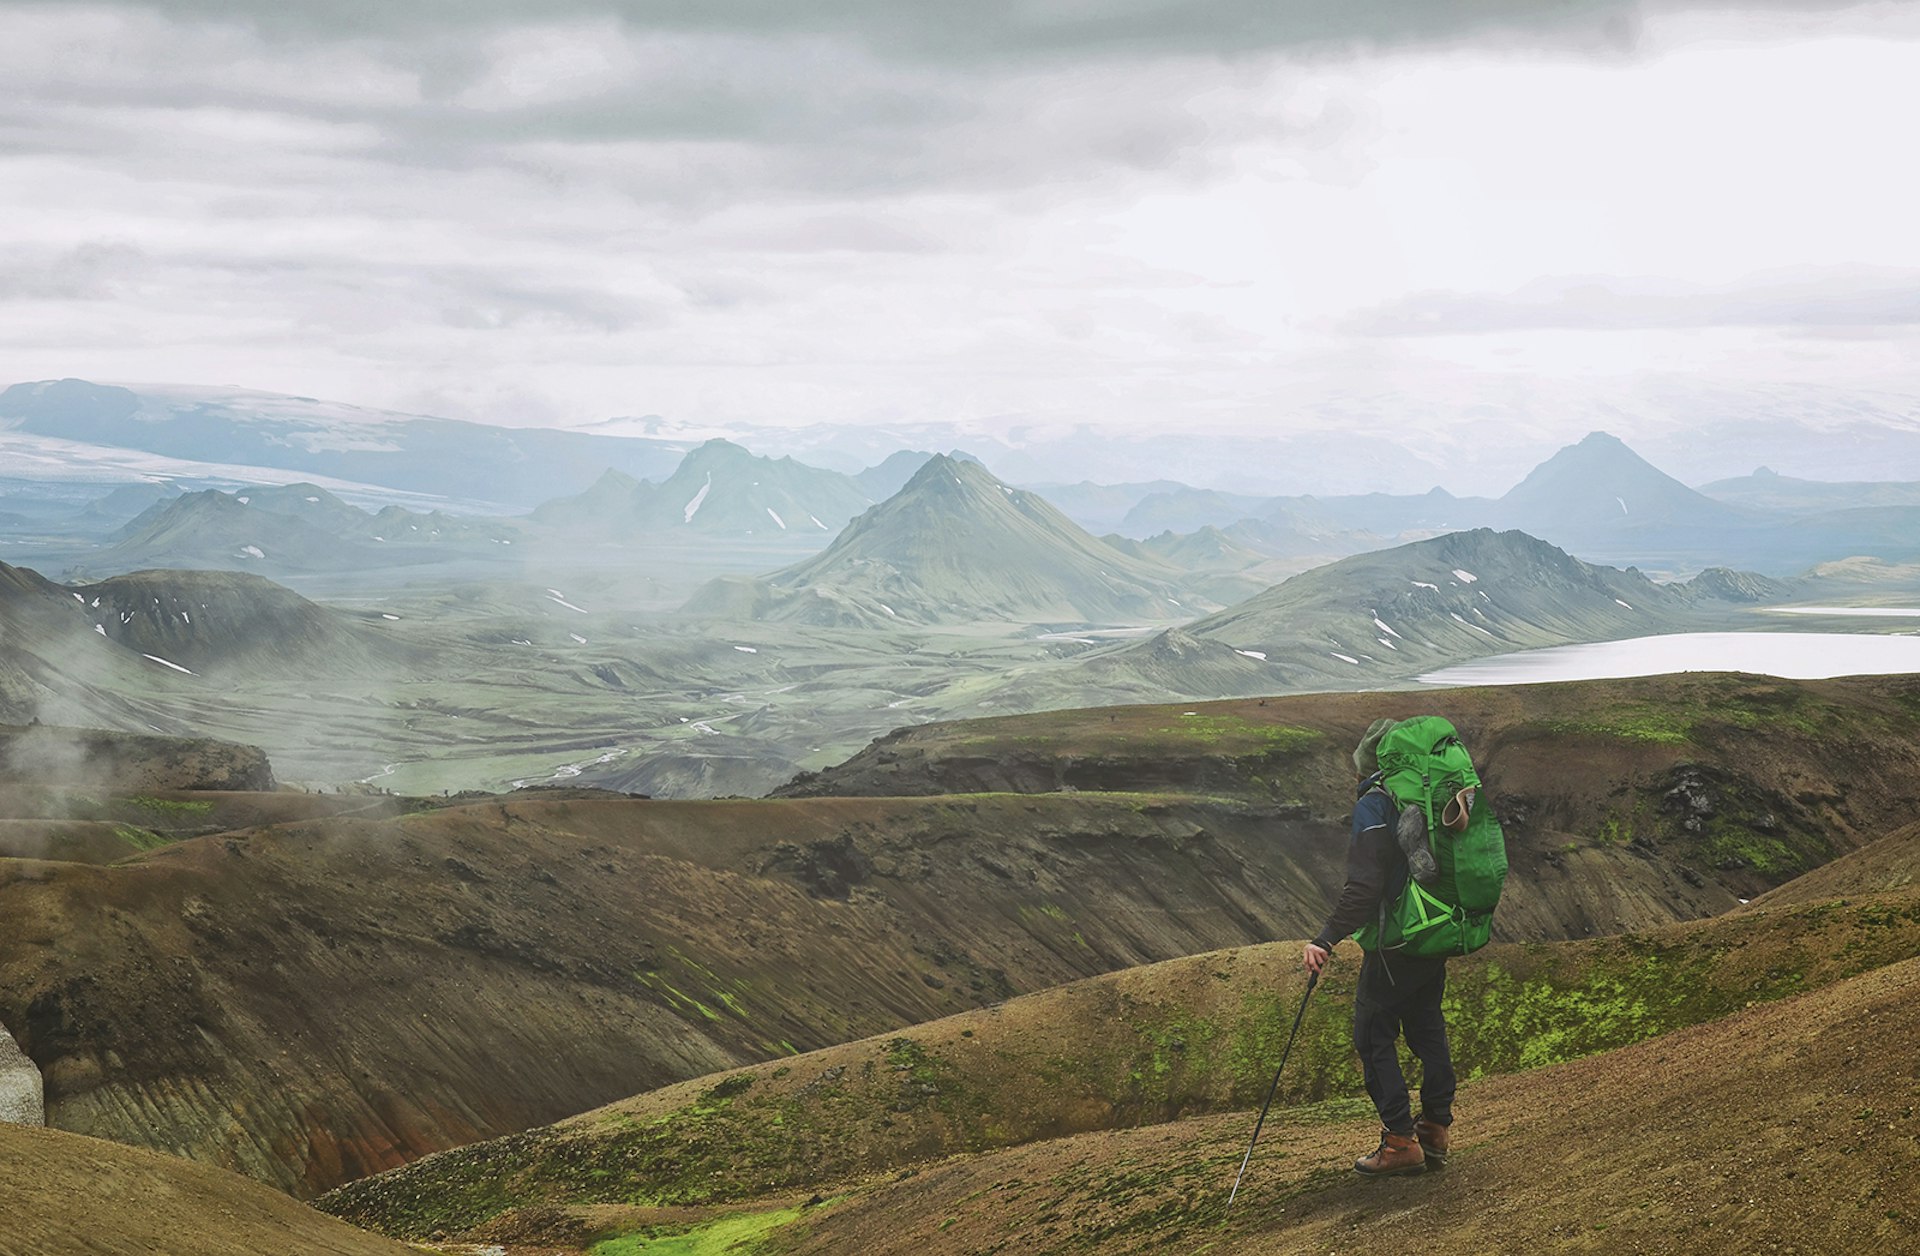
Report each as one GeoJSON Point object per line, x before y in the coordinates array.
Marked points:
{"type": "Point", "coordinates": [1889, 865]}
{"type": "Point", "coordinates": [1128, 1049]}
{"type": "Point", "coordinates": [319, 1000]}
{"type": "Point", "coordinates": [641, 942]}
{"type": "Point", "coordinates": [1742, 780]}
{"type": "Point", "coordinates": [62, 1193]}
{"type": "Point", "coordinates": [332, 996]}
{"type": "Point", "coordinates": [1783, 1128]}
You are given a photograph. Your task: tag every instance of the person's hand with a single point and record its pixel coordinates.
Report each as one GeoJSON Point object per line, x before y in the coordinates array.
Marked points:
{"type": "Point", "coordinates": [1316, 958]}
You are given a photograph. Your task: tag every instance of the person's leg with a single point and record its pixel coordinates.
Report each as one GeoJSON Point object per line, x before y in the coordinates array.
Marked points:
{"type": "Point", "coordinates": [1425, 1026]}
{"type": "Point", "coordinates": [1376, 1038]}
{"type": "Point", "coordinates": [1426, 1029]}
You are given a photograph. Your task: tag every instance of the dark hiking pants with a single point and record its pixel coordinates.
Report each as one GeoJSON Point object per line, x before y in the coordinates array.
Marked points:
{"type": "Point", "coordinates": [1396, 996]}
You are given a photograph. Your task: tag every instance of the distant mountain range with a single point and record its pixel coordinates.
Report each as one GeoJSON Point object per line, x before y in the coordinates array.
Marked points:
{"type": "Point", "coordinates": [236, 428]}
{"type": "Point", "coordinates": [1466, 435]}
{"type": "Point", "coordinates": [1473, 434]}
{"type": "Point", "coordinates": [956, 546]}
{"type": "Point", "coordinates": [1598, 499]}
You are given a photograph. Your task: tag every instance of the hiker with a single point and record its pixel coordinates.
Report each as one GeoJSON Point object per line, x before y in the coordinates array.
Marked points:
{"type": "Point", "coordinates": [1394, 995]}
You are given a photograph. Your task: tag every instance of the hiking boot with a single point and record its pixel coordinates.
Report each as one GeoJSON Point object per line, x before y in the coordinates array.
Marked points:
{"type": "Point", "coordinates": [1397, 1153]}
{"type": "Point", "coordinates": [1433, 1140]}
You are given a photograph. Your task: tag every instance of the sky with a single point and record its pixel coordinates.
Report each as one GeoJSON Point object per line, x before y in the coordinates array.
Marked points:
{"type": "Point", "coordinates": [1184, 214]}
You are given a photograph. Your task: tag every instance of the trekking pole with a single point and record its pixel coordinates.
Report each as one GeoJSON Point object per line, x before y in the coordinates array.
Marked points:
{"type": "Point", "coordinates": [1313, 979]}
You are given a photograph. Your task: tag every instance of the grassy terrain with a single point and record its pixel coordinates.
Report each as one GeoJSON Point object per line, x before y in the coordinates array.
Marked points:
{"type": "Point", "coordinates": [1131, 1049]}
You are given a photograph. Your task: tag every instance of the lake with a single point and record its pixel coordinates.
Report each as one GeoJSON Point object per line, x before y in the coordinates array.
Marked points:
{"type": "Point", "coordinates": [1793, 655]}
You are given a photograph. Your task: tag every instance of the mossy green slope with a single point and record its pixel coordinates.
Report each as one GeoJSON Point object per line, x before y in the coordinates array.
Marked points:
{"type": "Point", "coordinates": [1126, 1050]}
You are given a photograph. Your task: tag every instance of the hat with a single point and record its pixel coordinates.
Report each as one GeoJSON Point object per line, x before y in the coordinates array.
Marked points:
{"type": "Point", "coordinates": [1365, 756]}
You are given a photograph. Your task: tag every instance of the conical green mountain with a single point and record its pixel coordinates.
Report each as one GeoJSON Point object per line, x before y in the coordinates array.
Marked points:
{"type": "Point", "coordinates": [956, 546]}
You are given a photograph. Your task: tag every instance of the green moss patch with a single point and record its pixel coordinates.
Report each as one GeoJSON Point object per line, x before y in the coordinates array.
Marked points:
{"type": "Point", "coordinates": [141, 839]}
{"type": "Point", "coordinates": [739, 1235]}
{"type": "Point", "coordinates": [1654, 725]}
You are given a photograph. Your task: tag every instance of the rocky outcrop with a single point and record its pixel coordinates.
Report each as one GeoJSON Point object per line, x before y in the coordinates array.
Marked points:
{"type": "Point", "coordinates": [103, 761]}
{"type": "Point", "coordinates": [21, 1096]}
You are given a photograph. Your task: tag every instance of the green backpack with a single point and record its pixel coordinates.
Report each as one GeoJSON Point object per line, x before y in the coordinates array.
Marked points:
{"type": "Point", "coordinates": [1429, 775]}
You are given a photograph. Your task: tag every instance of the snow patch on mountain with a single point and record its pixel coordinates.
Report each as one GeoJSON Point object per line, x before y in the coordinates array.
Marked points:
{"type": "Point", "coordinates": [693, 507]}
{"type": "Point", "coordinates": [165, 663]}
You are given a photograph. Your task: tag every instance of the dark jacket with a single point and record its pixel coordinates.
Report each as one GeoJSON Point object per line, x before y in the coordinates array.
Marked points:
{"type": "Point", "coordinates": [1376, 868]}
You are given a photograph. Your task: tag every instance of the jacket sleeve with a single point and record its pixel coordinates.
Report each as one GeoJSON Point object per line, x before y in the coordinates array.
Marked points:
{"type": "Point", "coordinates": [1367, 855]}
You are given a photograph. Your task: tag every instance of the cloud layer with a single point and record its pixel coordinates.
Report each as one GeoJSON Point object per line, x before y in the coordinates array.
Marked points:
{"type": "Point", "coordinates": [862, 209]}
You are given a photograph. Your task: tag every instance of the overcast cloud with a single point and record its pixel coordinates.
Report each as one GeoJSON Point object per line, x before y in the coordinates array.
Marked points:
{"type": "Point", "coordinates": [1137, 212]}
